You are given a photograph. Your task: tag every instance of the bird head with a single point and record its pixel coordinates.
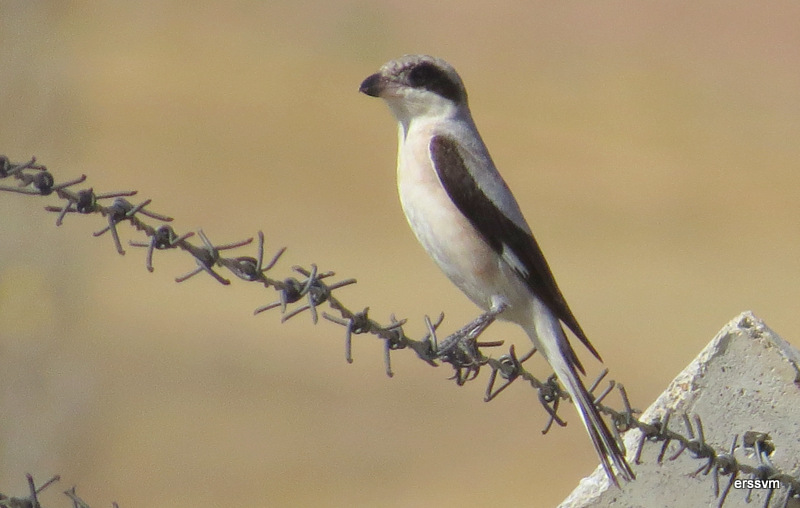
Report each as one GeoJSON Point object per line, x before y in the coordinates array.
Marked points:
{"type": "Point", "coordinates": [417, 86]}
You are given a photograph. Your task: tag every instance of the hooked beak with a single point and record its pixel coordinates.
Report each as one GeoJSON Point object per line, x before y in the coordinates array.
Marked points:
{"type": "Point", "coordinates": [373, 86]}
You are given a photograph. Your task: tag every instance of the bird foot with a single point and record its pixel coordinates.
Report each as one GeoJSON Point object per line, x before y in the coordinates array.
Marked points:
{"type": "Point", "coordinates": [472, 330]}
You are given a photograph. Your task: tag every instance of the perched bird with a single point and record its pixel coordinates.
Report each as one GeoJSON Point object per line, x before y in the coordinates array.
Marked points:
{"type": "Point", "coordinates": [464, 215]}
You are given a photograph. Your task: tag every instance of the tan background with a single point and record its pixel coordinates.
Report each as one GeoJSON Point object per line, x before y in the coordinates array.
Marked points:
{"type": "Point", "coordinates": [654, 150]}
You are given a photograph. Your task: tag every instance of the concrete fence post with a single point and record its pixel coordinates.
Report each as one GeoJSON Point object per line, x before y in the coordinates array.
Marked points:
{"type": "Point", "coordinates": [746, 379]}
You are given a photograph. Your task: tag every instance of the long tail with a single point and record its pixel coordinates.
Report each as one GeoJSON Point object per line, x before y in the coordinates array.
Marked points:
{"type": "Point", "coordinates": [549, 338]}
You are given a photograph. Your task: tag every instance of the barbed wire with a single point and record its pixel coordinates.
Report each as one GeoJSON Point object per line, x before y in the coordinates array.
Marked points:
{"type": "Point", "coordinates": [309, 289]}
{"type": "Point", "coordinates": [32, 499]}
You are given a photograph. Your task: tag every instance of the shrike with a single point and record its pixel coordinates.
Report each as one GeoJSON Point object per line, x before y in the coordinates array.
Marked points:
{"type": "Point", "coordinates": [466, 218]}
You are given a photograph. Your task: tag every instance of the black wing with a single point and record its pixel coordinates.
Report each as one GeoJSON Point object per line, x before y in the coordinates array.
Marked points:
{"type": "Point", "coordinates": [501, 233]}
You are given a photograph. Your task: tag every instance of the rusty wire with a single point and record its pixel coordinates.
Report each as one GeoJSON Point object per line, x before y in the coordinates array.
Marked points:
{"type": "Point", "coordinates": [309, 289]}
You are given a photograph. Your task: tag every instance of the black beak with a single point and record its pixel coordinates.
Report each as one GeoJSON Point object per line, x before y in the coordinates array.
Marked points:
{"type": "Point", "coordinates": [372, 86]}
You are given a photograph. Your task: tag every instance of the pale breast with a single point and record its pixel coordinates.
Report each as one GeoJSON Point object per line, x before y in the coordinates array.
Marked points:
{"type": "Point", "coordinates": [440, 227]}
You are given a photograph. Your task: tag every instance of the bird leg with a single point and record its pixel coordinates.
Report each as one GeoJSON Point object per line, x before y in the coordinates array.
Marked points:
{"type": "Point", "coordinates": [461, 348]}
{"type": "Point", "coordinates": [472, 330]}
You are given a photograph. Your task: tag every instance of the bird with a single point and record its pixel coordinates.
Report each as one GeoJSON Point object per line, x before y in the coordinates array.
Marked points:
{"type": "Point", "coordinates": [466, 218]}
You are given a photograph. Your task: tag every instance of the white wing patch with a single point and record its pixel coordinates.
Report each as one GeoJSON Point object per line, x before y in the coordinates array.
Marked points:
{"type": "Point", "coordinates": [511, 258]}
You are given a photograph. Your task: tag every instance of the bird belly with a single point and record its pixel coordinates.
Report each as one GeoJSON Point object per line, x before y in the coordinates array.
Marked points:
{"type": "Point", "coordinates": [453, 242]}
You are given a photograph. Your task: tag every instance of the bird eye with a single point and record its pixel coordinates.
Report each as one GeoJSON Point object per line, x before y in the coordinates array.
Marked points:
{"type": "Point", "coordinates": [429, 77]}
{"type": "Point", "coordinates": [422, 75]}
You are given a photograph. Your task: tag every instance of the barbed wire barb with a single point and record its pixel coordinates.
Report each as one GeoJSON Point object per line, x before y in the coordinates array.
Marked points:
{"type": "Point", "coordinates": [77, 502]}
{"type": "Point", "coordinates": [84, 202]}
{"type": "Point", "coordinates": [32, 500]}
{"type": "Point", "coordinates": [208, 256]}
{"type": "Point", "coordinates": [122, 209]}
{"type": "Point", "coordinates": [163, 238]}
{"type": "Point", "coordinates": [726, 465]}
{"type": "Point", "coordinates": [356, 324]}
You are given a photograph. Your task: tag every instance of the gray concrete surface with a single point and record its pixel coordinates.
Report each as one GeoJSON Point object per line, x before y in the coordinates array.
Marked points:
{"type": "Point", "coordinates": [747, 378]}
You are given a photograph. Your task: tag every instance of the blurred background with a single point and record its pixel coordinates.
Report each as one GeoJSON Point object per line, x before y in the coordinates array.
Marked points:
{"type": "Point", "coordinates": [654, 150]}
